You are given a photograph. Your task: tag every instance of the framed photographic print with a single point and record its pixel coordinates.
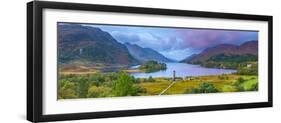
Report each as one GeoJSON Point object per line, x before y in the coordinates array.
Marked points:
{"type": "Point", "coordinates": [95, 61]}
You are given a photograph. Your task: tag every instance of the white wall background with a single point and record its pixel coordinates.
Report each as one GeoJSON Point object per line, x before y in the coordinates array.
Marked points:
{"type": "Point", "coordinates": [13, 61]}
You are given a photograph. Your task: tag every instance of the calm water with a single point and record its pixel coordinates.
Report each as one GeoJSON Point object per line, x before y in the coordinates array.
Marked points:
{"type": "Point", "coordinates": [183, 70]}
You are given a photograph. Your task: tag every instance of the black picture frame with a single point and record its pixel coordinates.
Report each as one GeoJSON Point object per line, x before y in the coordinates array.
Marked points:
{"type": "Point", "coordinates": [35, 69]}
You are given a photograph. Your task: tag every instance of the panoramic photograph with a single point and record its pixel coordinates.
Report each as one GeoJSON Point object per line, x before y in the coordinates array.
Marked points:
{"type": "Point", "coordinates": [103, 61]}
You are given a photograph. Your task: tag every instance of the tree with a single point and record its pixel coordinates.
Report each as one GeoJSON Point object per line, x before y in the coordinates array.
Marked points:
{"type": "Point", "coordinates": [82, 87]}
{"type": "Point", "coordinates": [150, 79]}
{"type": "Point", "coordinates": [239, 84]}
{"type": "Point", "coordinates": [240, 80]}
{"type": "Point", "coordinates": [137, 80]}
{"type": "Point", "coordinates": [123, 86]}
{"type": "Point", "coordinates": [255, 87]}
{"type": "Point", "coordinates": [207, 88]}
{"type": "Point", "coordinates": [153, 66]}
{"type": "Point", "coordinates": [66, 90]}
{"type": "Point", "coordinates": [95, 91]}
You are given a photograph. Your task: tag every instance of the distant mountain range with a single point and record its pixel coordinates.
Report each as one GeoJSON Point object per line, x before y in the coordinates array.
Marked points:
{"type": "Point", "coordinates": [228, 52]}
{"type": "Point", "coordinates": [84, 44]}
{"type": "Point", "coordinates": [145, 54]}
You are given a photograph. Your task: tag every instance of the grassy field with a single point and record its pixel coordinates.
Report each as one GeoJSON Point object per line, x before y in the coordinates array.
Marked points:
{"type": "Point", "coordinates": [228, 83]}
{"type": "Point", "coordinates": [92, 84]}
{"type": "Point", "coordinates": [154, 88]}
{"type": "Point", "coordinates": [249, 84]}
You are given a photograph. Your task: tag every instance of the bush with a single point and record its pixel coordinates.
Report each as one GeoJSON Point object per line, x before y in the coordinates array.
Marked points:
{"type": "Point", "coordinates": [139, 90]}
{"type": "Point", "coordinates": [204, 88]}
{"type": "Point", "coordinates": [145, 80]}
{"type": "Point", "coordinates": [150, 79]}
{"type": "Point", "coordinates": [241, 80]}
{"type": "Point", "coordinates": [95, 91]}
{"type": "Point", "coordinates": [207, 88]}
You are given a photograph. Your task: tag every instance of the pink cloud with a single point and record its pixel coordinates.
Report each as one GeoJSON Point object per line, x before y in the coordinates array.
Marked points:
{"type": "Point", "coordinates": [200, 38]}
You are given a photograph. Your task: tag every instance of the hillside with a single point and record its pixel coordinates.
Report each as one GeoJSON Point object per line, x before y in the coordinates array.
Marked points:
{"type": "Point", "coordinates": [84, 44]}
{"type": "Point", "coordinates": [226, 55]}
{"type": "Point", "coordinates": [187, 59]}
{"type": "Point", "coordinates": [145, 54]}
{"type": "Point", "coordinates": [250, 47]}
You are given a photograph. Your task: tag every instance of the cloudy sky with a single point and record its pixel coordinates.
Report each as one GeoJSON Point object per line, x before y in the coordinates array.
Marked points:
{"type": "Point", "coordinates": [176, 43]}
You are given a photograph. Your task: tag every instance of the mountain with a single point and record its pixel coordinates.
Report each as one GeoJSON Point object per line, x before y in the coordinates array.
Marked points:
{"type": "Point", "coordinates": [84, 44]}
{"type": "Point", "coordinates": [145, 54]}
{"type": "Point", "coordinates": [187, 59]}
{"type": "Point", "coordinates": [247, 48]}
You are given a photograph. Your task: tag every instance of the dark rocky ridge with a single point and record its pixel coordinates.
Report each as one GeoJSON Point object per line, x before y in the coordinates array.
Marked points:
{"type": "Point", "coordinates": [84, 44]}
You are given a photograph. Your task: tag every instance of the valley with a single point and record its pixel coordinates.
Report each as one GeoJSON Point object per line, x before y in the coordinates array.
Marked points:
{"type": "Point", "coordinates": [93, 64]}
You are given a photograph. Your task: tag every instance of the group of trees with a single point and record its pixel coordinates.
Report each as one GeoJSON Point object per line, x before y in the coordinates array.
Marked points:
{"type": "Point", "coordinates": [245, 64]}
{"type": "Point", "coordinates": [250, 68]}
{"type": "Point", "coordinates": [228, 61]}
{"type": "Point", "coordinates": [153, 66]}
{"type": "Point", "coordinates": [149, 79]}
{"type": "Point", "coordinates": [98, 85]}
{"type": "Point", "coordinates": [240, 85]}
{"type": "Point", "coordinates": [124, 86]}
{"type": "Point", "coordinates": [204, 87]}
{"type": "Point", "coordinates": [234, 58]}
